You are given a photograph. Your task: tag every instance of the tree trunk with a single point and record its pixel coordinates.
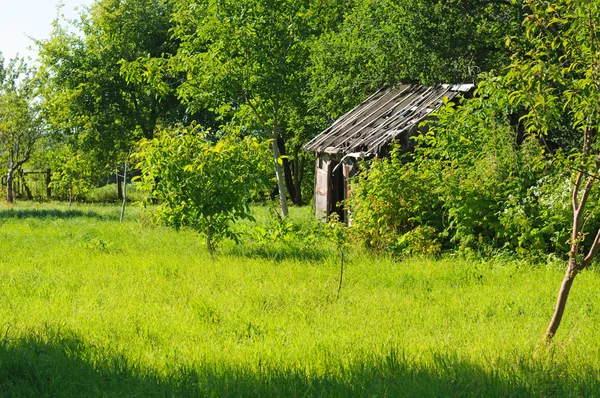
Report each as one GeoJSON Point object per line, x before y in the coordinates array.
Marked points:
{"type": "Point", "coordinates": [209, 243]}
{"type": "Point", "coordinates": [124, 192]}
{"type": "Point", "coordinates": [119, 186]}
{"type": "Point", "coordinates": [341, 273]}
{"type": "Point", "coordinates": [24, 185]}
{"type": "Point", "coordinates": [10, 196]}
{"type": "Point", "coordinates": [300, 164]}
{"type": "Point", "coordinates": [289, 179]}
{"type": "Point", "coordinates": [579, 198]}
{"type": "Point", "coordinates": [280, 179]}
{"type": "Point", "coordinates": [561, 302]}
{"type": "Point", "coordinates": [48, 181]}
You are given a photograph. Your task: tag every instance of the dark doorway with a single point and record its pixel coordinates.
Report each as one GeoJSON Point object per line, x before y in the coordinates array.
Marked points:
{"type": "Point", "coordinates": [336, 191]}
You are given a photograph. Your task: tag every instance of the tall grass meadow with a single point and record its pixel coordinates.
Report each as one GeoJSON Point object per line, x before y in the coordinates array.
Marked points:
{"type": "Point", "coordinates": [93, 307]}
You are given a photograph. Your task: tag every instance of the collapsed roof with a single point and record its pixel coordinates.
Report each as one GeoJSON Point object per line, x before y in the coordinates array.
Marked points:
{"type": "Point", "coordinates": [382, 117]}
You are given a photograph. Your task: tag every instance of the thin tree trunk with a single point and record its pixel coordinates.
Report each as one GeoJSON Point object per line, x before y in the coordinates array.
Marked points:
{"type": "Point", "coordinates": [280, 179]}
{"type": "Point", "coordinates": [10, 196]}
{"type": "Point", "coordinates": [287, 170]}
{"type": "Point", "coordinates": [124, 190]}
{"type": "Point", "coordinates": [119, 187]}
{"type": "Point", "coordinates": [209, 242]}
{"type": "Point", "coordinates": [24, 185]}
{"type": "Point", "coordinates": [579, 198]}
{"type": "Point", "coordinates": [561, 302]}
{"type": "Point", "coordinates": [299, 177]}
{"type": "Point", "coordinates": [48, 181]}
{"type": "Point", "coordinates": [209, 245]}
{"type": "Point", "coordinates": [341, 273]}
{"type": "Point", "coordinates": [276, 154]}
{"type": "Point", "coordinates": [125, 185]}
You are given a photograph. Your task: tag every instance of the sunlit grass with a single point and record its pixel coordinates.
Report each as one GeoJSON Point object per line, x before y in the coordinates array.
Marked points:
{"type": "Point", "coordinates": [90, 306]}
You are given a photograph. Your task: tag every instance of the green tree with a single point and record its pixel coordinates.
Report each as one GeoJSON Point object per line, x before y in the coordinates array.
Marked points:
{"type": "Point", "coordinates": [555, 76]}
{"type": "Point", "coordinates": [88, 100]}
{"type": "Point", "coordinates": [249, 58]}
{"type": "Point", "coordinates": [387, 41]}
{"type": "Point", "coordinates": [20, 125]}
{"type": "Point", "coordinates": [72, 175]}
{"type": "Point", "coordinates": [201, 184]}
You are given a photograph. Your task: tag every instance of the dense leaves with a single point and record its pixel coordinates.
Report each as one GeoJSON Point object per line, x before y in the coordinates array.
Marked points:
{"type": "Point", "coordinates": [20, 124]}
{"type": "Point", "coordinates": [427, 41]}
{"type": "Point", "coordinates": [500, 167]}
{"type": "Point", "coordinates": [200, 184]}
{"type": "Point", "coordinates": [87, 99]}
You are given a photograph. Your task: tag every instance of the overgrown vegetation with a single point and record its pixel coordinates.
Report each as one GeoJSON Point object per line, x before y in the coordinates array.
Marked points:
{"type": "Point", "coordinates": [515, 168]}
{"type": "Point", "coordinates": [473, 185]}
{"type": "Point", "coordinates": [500, 189]}
{"type": "Point", "coordinates": [95, 307]}
{"type": "Point", "coordinates": [199, 184]}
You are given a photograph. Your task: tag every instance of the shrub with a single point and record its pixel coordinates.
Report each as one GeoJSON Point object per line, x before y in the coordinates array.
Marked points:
{"type": "Point", "coordinates": [109, 194]}
{"type": "Point", "coordinates": [202, 184]}
{"type": "Point", "coordinates": [72, 176]}
{"type": "Point", "coordinates": [390, 198]}
{"type": "Point", "coordinates": [473, 184]}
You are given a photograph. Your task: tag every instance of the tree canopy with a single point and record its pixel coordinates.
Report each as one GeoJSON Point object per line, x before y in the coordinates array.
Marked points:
{"type": "Point", "coordinates": [20, 124]}
{"type": "Point", "coordinates": [87, 99]}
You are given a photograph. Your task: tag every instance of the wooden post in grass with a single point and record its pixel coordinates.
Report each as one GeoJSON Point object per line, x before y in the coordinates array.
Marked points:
{"type": "Point", "coordinates": [48, 180]}
{"type": "Point", "coordinates": [125, 186]}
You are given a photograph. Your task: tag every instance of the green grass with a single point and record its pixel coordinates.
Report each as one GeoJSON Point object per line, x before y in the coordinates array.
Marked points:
{"type": "Point", "coordinates": [92, 307]}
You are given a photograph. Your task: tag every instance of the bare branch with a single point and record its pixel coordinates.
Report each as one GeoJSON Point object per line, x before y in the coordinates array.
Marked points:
{"type": "Point", "coordinates": [576, 187]}
{"type": "Point", "coordinates": [592, 252]}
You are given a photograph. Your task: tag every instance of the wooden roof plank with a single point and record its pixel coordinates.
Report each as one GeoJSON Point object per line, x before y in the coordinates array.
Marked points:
{"type": "Point", "coordinates": [364, 123]}
{"type": "Point", "coordinates": [366, 120]}
{"type": "Point", "coordinates": [382, 117]}
{"type": "Point", "coordinates": [400, 117]}
{"type": "Point", "coordinates": [312, 143]}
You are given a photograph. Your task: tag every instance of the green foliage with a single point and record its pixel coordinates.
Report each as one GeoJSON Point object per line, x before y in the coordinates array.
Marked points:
{"type": "Point", "coordinates": [500, 166]}
{"type": "Point", "coordinates": [481, 164]}
{"type": "Point", "coordinates": [72, 176]}
{"type": "Point", "coordinates": [337, 233]}
{"type": "Point", "coordinates": [109, 194]}
{"type": "Point", "coordinates": [559, 51]}
{"type": "Point", "coordinates": [201, 184]}
{"type": "Point", "coordinates": [248, 59]}
{"type": "Point", "coordinates": [20, 124]}
{"type": "Point", "coordinates": [423, 240]}
{"type": "Point", "coordinates": [427, 41]}
{"type": "Point", "coordinates": [89, 99]}
{"type": "Point", "coordinates": [391, 197]}
{"type": "Point", "coordinates": [474, 184]}
{"type": "Point", "coordinates": [554, 70]}
{"type": "Point", "coordinates": [277, 238]}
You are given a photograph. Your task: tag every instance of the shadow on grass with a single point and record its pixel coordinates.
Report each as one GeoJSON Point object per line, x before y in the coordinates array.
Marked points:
{"type": "Point", "coordinates": [51, 213]}
{"type": "Point", "coordinates": [65, 367]}
{"type": "Point", "coordinates": [279, 252]}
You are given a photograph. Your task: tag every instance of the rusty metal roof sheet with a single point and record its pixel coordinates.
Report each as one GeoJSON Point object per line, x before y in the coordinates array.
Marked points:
{"type": "Point", "coordinates": [382, 117]}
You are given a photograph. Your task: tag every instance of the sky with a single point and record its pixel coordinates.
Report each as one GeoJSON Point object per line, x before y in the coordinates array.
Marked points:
{"type": "Point", "coordinates": [22, 18]}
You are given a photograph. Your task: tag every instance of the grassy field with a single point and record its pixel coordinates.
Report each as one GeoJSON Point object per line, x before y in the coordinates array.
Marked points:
{"type": "Point", "coordinates": [92, 307]}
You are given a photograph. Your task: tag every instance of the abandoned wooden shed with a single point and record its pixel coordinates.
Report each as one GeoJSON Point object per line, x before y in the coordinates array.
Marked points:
{"type": "Point", "coordinates": [391, 114]}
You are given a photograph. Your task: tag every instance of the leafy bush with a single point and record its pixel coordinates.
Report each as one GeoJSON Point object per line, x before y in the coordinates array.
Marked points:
{"type": "Point", "coordinates": [72, 176]}
{"type": "Point", "coordinates": [423, 240]}
{"type": "Point", "coordinates": [391, 197]}
{"type": "Point", "coordinates": [109, 194]}
{"type": "Point", "coordinates": [201, 184]}
{"type": "Point", "coordinates": [474, 184]}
